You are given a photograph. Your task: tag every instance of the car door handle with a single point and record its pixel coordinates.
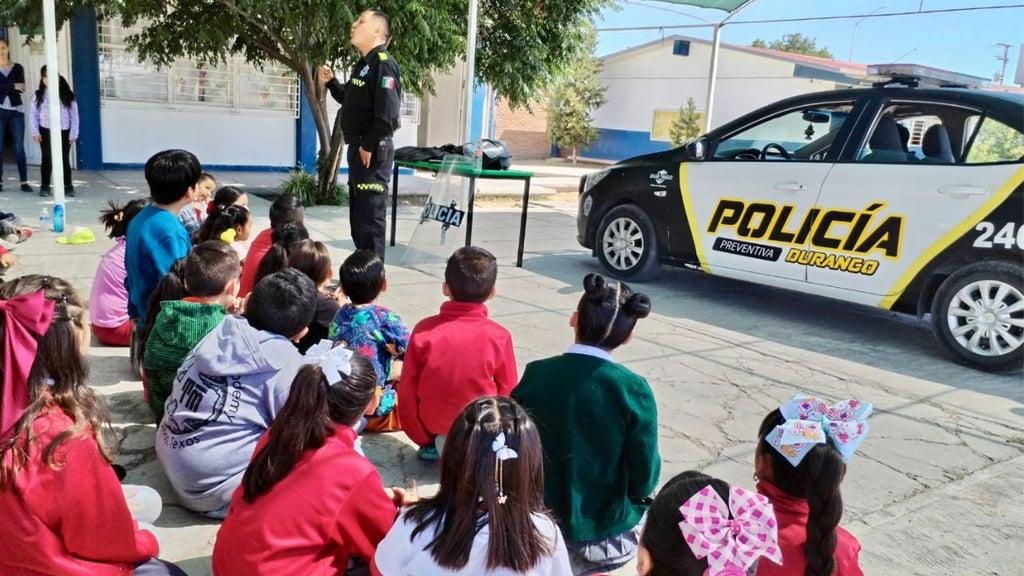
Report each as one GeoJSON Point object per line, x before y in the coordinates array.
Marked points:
{"type": "Point", "coordinates": [962, 190]}
{"type": "Point", "coordinates": [790, 186]}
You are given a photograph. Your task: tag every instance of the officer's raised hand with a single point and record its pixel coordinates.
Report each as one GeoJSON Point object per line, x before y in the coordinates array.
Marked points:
{"type": "Point", "coordinates": [325, 73]}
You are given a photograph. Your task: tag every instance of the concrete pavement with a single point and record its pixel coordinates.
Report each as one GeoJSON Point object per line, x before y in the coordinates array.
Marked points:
{"type": "Point", "coordinates": [935, 489]}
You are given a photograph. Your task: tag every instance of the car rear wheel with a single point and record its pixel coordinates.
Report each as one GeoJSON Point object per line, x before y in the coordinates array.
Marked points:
{"type": "Point", "coordinates": [626, 243]}
{"type": "Point", "coordinates": [978, 315]}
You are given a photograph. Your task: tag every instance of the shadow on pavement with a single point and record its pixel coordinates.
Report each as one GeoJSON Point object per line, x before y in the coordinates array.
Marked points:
{"type": "Point", "coordinates": [870, 336]}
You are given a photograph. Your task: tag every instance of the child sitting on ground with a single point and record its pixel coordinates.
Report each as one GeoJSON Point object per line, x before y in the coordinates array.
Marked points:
{"type": "Point", "coordinates": [12, 229]}
{"type": "Point", "coordinates": [373, 330]}
{"type": "Point", "coordinates": [63, 509]}
{"type": "Point", "coordinates": [171, 287]}
{"type": "Point", "coordinates": [310, 449]}
{"type": "Point", "coordinates": [193, 216]}
{"type": "Point", "coordinates": [211, 279]}
{"type": "Point", "coordinates": [698, 525]}
{"type": "Point", "coordinates": [108, 300]}
{"type": "Point", "coordinates": [488, 517]}
{"type": "Point", "coordinates": [231, 224]}
{"type": "Point", "coordinates": [599, 425]}
{"type": "Point", "coordinates": [314, 260]}
{"type": "Point", "coordinates": [800, 464]}
{"type": "Point", "coordinates": [287, 208]}
{"type": "Point", "coordinates": [155, 237]}
{"type": "Point", "coordinates": [229, 389]}
{"type": "Point", "coordinates": [457, 356]}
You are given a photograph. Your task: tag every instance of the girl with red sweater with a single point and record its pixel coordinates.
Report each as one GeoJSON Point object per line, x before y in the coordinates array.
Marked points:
{"type": "Point", "coordinates": [802, 451]}
{"type": "Point", "coordinates": [63, 509]}
{"type": "Point", "coordinates": [309, 502]}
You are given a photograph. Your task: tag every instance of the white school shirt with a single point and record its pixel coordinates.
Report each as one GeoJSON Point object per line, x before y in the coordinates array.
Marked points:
{"type": "Point", "coordinates": [398, 554]}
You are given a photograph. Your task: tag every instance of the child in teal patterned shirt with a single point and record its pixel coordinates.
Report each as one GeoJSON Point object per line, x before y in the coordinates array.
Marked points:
{"type": "Point", "coordinates": [372, 330]}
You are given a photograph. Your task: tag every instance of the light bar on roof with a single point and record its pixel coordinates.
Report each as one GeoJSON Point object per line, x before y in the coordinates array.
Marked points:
{"type": "Point", "coordinates": [925, 75]}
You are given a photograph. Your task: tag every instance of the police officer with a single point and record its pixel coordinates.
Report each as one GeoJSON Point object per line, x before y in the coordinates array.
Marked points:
{"type": "Point", "coordinates": [370, 103]}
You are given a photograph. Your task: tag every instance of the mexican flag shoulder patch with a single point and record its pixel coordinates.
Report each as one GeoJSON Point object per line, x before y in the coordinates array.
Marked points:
{"type": "Point", "coordinates": [387, 82]}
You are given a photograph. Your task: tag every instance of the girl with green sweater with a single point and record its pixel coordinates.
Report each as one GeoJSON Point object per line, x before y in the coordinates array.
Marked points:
{"type": "Point", "coordinates": [598, 426]}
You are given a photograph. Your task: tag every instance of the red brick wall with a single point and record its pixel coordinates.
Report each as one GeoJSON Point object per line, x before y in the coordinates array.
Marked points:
{"type": "Point", "coordinates": [524, 131]}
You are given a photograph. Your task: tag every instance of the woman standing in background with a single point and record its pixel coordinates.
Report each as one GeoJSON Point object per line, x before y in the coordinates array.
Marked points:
{"type": "Point", "coordinates": [12, 87]}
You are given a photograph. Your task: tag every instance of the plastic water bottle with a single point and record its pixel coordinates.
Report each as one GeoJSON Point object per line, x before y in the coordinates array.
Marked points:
{"type": "Point", "coordinates": [44, 219]}
{"type": "Point", "coordinates": [58, 218]}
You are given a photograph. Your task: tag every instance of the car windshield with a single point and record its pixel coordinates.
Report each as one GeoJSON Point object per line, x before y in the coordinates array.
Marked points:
{"type": "Point", "coordinates": [804, 133]}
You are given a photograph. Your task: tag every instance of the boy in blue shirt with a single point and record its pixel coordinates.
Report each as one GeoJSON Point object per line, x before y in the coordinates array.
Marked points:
{"type": "Point", "coordinates": [155, 236]}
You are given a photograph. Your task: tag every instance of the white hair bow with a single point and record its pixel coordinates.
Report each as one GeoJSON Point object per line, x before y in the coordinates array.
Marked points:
{"type": "Point", "coordinates": [334, 361]}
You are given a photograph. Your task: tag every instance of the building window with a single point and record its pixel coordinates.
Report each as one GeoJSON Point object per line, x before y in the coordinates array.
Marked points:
{"type": "Point", "coordinates": [234, 84]}
{"type": "Point", "coordinates": [410, 109]}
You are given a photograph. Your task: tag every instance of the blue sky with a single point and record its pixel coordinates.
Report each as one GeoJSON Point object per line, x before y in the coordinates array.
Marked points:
{"type": "Point", "coordinates": [963, 41]}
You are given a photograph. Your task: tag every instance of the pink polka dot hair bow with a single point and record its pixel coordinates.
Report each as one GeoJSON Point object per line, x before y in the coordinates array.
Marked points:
{"type": "Point", "coordinates": [810, 421]}
{"type": "Point", "coordinates": [733, 537]}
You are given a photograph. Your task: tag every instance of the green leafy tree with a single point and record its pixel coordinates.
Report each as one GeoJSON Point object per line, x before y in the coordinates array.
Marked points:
{"type": "Point", "coordinates": [428, 36]}
{"type": "Point", "coordinates": [996, 142]}
{"type": "Point", "coordinates": [795, 43]}
{"type": "Point", "coordinates": [686, 125]}
{"type": "Point", "coordinates": [573, 98]}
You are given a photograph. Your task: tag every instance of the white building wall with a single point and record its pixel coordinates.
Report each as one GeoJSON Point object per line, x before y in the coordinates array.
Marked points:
{"type": "Point", "coordinates": [646, 80]}
{"type": "Point", "coordinates": [134, 131]}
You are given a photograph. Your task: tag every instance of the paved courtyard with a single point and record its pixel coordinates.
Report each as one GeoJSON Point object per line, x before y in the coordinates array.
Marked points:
{"type": "Point", "coordinates": [937, 488]}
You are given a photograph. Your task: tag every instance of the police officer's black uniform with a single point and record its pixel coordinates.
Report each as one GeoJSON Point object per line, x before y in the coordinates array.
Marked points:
{"type": "Point", "coordinates": [370, 103]}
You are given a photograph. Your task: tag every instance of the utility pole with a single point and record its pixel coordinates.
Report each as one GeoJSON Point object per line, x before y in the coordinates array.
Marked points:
{"type": "Point", "coordinates": [1004, 59]}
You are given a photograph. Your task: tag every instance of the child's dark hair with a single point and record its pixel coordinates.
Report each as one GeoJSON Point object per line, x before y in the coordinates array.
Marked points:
{"type": "Point", "coordinates": [670, 554]}
{"type": "Point", "coordinates": [206, 176]}
{"type": "Point", "coordinates": [58, 377]}
{"type": "Point", "coordinates": [170, 287]}
{"type": "Point", "coordinates": [116, 218]}
{"type": "Point", "coordinates": [170, 174]}
{"type": "Point", "coordinates": [470, 274]}
{"type": "Point", "coordinates": [307, 419]}
{"type": "Point", "coordinates": [226, 196]}
{"type": "Point", "coordinates": [361, 276]}
{"type": "Point", "coordinates": [286, 208]}
{"type": "Point", "coordinates": [66, 95]}
{"type": "Point", "coordinates": [221, 219]}
{"type": "Point", "coordinates": [284, 239]}
{"type": "Point", "coordinates": [209, 267]}
{"type": "Point", "coordinates": [816, 479]}
{"type": "Point", "coordinates": [469, 493]}
{"type": "Point", "coordinates": [607, 313]}
{"type": "Point", "coordinates": [282, 303]}
{"type": "Point", "coordinates": [313, 259]}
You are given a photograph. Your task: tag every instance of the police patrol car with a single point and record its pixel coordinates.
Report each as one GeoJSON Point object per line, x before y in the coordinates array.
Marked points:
{"type": "Point", "coordinates": [902, 196]}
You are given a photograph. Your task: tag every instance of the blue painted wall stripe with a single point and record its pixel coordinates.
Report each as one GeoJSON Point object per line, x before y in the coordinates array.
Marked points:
{"type": "Point", "coordinates": [85, 68]}
{"type": "Point", "coordinates": [621, 144]}
{"type": "Point", "coordinates": [305, 135]}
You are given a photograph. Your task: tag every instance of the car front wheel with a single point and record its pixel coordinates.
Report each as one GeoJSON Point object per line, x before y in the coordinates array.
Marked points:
{"type": "Point", "coordinates": [978, 315]}
{"type": "Point", "coordinates": [626, 243]}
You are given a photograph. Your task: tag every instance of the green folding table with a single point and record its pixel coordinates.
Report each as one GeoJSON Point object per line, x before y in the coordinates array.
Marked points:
{"type": "Point", "coordinates": [467, 170]}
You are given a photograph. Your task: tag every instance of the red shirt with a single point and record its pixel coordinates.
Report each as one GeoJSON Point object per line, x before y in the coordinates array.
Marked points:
{"type": "Point", "coordinates": [70, 521]}
{"type": "Point", "coordinates": [331, 506]}
{"type": "Point", "coordinates": [791, 514]}
{"type": "Point", "coordinates": [453, 359]}
{"type": "Point", "coordinates": [261, 244]}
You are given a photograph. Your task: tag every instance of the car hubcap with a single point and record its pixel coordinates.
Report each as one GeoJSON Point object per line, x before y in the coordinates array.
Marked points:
{"type": "Point", "coordinates": [987, 318]}
{"type": "Point", "coordinates": [623, 244]}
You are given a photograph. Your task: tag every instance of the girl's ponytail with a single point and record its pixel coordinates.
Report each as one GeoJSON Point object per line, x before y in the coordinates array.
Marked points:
{"type": "Point", "coordinates": [825, 470]}
{"type": "Point", "coordinates": [303, 423]}
{"type": "Point", "coordinates": [222, 219]}
{"type": "Point", "coordinates": [116, 218]}
{"type": "Point", "coordinates": [607, 312]}
{"type": "Point", "coordinates": [307, 419]}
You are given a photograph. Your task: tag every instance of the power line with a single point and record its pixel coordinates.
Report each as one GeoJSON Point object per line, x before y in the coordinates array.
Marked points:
{"type": "Point", "coordinates": [1004, 59]}
{"type": "Point", "coordinates": [811, 18]}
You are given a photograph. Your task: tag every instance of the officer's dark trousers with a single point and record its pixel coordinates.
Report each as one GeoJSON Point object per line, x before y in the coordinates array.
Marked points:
{"type": "Point", "coordinates": [367, 193]}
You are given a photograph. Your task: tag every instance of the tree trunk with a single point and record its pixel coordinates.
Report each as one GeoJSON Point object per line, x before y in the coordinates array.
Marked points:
{"type": "Point", "coordinates": [574, 155]}
{"type": "Point", "coordinates": [330, 138]}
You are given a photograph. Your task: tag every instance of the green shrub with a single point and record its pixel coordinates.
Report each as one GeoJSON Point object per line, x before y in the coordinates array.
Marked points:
{"type": "Point", "coordinates": [302, 185]}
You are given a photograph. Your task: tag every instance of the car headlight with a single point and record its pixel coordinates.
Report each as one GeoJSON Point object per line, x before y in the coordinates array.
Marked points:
{"type": "Point", "coordinates": [593, 178]}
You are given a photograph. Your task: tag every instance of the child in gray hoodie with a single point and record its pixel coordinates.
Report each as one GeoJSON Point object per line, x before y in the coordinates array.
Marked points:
{"type": "Point", "coordinates": [229, 389]}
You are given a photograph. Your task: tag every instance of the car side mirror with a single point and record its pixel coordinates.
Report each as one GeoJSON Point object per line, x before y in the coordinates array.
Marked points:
{"type": "Point", "coordinates": [696, 149]}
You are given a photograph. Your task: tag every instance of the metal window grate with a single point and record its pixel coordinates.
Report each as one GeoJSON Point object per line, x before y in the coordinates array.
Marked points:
{"type": "Point", "coordinates": [234, 84]}
{"type": "Point", "coordinates": [410, 109]}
